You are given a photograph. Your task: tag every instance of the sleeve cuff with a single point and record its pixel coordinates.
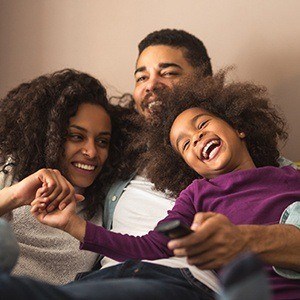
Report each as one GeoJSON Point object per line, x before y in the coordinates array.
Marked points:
{"type": "Point", "coordinates": [291, 216]}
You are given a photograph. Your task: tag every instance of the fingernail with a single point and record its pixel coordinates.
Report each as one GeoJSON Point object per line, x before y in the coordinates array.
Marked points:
{"type": "Point", "coordinates": [50, 208]}
{"type": "Point", "coordinates": [62, 206]}
{"type": "Point", "coordinates": [194, 226]}
{"type": "Point", "coordinates": [172, 245]}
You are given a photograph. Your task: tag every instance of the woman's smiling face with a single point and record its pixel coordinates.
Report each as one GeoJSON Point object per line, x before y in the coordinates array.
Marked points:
{"type": "Point", "coordinates": [87, 144]}
{"type": "Point", "coordinates": [208, 144]}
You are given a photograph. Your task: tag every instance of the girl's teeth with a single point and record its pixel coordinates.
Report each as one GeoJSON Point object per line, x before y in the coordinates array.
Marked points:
{"type": "Point", "coordinates": [204, 152]}
{"type": "Point", "coordinates": [85, 167]}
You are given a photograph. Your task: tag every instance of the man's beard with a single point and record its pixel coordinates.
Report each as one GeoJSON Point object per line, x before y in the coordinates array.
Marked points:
{"type": "Point", "coordinates": [154, 105]}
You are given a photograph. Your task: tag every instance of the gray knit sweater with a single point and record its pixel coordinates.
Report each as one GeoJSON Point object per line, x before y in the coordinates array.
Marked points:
{"type": "Point", "coordinates": [46, 253]}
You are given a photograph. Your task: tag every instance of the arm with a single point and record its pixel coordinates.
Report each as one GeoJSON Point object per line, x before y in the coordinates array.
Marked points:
{"type": "Point", "coordinates": [48, 183]}
{"type": "Point", "coordinates": [121, 247]}
{"type": "Point", "coordinates": [217, 241]}
{"type": "Point", "coordinates": [98, 239]}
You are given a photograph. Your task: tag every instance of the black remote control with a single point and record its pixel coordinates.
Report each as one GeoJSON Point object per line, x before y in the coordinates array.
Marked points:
{"type": "Point", "coordinates": [173, 229]}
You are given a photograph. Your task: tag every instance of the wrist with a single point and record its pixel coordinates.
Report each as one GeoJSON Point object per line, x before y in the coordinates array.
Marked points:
{"type": "Point", "coordinates": [76, 227]}
{"type": "Point", "coordinates": [260, 239]}
{"type": "Point", "coordinates": [12, 199]}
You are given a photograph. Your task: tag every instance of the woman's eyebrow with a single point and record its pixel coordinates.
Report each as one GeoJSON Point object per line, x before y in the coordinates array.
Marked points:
{"type": "Point", "coordinates": [108, 133]}
{"type": "Point", "coordinates": [78, 127]}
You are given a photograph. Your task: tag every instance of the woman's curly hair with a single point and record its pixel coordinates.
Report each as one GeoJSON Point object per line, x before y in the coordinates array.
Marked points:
{"type": "Point", "coordinates": [244, 106]}
{"type": "Point", "coordinates": [34, 125]}
{"type": "Point", "coordinates": [131, 125]}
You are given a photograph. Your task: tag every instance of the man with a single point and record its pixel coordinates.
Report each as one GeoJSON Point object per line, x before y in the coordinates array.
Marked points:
{"type": "Point", "coordinates": [165, 57]}
{"type": "Point", "coordinates": [133, 207]}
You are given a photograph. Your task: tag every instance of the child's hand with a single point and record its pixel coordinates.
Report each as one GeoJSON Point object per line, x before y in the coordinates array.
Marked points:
{"type": "Point", "coordinates": [65, 219]}
{"type": "Point", "coordinates": [56, 218]}
{"type": "Point", "coordinates": [46, 183]}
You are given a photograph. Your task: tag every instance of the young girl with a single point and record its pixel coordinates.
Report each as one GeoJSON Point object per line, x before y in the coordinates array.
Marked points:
{"type": "Point", "coordinates": [224, 137]}
{"type": "Point", "coordinates": [55, 133]}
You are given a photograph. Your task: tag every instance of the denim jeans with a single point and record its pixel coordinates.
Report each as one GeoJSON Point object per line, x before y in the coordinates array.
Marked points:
{"type": "Point", "coordinates": [129, 280]}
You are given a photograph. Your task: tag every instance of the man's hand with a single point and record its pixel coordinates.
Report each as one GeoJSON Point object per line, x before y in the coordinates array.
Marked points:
{"type": "Point", "coordinates": [215, 242]}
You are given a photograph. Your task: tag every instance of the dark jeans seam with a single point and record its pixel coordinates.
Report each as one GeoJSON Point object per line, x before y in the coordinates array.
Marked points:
{"type": "Point", "coordinates": [186, 273]}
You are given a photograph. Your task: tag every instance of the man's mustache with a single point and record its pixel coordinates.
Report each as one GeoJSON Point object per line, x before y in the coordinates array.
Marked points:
{"type": "Point", "coordinates": [145, 101]}
{"type": "Point", "coordinates": [158, 93]}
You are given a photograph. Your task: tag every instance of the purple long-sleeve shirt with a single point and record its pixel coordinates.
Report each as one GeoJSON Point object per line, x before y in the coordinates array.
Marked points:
{"type": "Point", "coordinates": [256, 196]}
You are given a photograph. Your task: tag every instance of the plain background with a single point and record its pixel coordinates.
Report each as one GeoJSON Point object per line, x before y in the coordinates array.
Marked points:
{"type": "Point", "coordinates": [261, 38]}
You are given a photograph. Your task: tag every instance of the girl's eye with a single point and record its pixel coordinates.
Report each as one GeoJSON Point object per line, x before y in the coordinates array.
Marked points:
{"type": "Point", "coordinates": [202, 124]}
{"type": "Point", "coordinates": [185, 145]}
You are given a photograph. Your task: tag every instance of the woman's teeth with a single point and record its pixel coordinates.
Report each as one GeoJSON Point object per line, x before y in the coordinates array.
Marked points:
{"type": "Point", "coordinates": [84, 167]}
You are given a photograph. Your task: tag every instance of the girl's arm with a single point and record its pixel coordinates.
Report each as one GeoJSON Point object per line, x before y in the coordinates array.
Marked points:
{"type": "Point", "coordinates": [115, 245]}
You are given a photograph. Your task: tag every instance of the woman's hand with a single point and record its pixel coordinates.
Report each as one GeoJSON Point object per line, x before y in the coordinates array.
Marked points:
{"type": "Point", "coordinates": [49, 184]}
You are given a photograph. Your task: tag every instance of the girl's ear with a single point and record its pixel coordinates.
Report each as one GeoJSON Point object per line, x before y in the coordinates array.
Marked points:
{"type": "Point", "coordinates": [242, 135]}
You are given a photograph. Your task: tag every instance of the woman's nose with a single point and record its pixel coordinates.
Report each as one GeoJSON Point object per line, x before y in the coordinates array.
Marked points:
{"type": "Point", "coordinates": [89, 150]}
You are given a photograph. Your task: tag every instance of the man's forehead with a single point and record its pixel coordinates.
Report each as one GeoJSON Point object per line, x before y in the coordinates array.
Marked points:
{"type": "Point", "coordinates": [160, 54]}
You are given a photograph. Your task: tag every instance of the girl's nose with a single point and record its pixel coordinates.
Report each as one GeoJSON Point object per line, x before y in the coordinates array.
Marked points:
{"type": "Point", "coordinates": [197, 137]}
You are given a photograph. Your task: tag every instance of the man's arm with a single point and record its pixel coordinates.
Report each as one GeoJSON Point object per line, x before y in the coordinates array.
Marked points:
{"type": "Point", "coordinates": [277, 245]}
{"type": "Point", "coordinates": [217, 241]}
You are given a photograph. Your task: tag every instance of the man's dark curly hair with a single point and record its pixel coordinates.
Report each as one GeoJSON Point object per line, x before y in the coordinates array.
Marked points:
{"type": "Point", "coordinates": [244, 106]}
{"type": "Point", "coordinates": [34, 121]}
{"type": "Point", "coordinates": [194, 50]}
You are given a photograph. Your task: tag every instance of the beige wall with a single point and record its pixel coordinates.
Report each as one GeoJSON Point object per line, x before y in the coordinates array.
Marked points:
{"type": "Point", "coordinates": [100, 37]}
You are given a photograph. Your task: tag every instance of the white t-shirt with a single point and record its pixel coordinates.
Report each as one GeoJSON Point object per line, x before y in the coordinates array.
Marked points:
{"type": "Point", "coordinates": [138, 211]}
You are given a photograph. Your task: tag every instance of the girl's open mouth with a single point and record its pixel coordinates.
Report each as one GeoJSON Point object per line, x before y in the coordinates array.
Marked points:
{"type": "Point", "coordinates": [210, 150]}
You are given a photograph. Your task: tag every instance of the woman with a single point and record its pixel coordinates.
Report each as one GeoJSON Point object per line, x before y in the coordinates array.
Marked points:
{"type": "Point", "coordinates": [55, 133]}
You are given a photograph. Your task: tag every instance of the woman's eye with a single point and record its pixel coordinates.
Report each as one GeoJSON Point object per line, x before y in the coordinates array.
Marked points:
{"type": "Point", "coordinates": [75, 137]}
{"type": "Point", "coordinates": [103, 143]}
{"type": "Point", "coordinates": [202, 124]}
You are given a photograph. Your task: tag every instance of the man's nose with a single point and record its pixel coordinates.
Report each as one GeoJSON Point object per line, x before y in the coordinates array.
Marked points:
{"type": "Point", "coordinates": [153, 84]}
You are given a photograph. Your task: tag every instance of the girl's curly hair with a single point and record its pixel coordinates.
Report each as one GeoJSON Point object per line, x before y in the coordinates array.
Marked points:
{"type": "Point", "coordinates": [245, 106]}
{"type": "Point", "coordinates": [34, 125]}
